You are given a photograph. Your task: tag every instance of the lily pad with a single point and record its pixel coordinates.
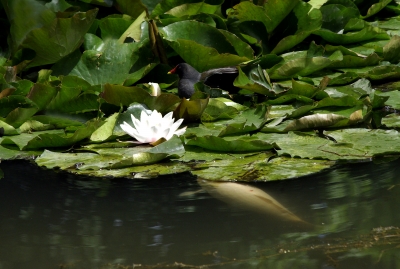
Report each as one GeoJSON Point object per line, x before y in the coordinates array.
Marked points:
{"type": "Point", "coordinates": [259, 167]}
{"type": "Point", "coordinates": [205, 47]}
{"type": "Point", "coordinates": [59, 38]}
{"type": "Point", "coordinates": [230, 144]}
{"type": "Point", "coordinates": [112, 158]}
{"type": "Point", "coordinates": [352, 144]}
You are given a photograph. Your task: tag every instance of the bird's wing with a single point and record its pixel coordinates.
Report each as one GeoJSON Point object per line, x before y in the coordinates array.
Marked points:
{"type": "Point", "coordinates": [223, 70]}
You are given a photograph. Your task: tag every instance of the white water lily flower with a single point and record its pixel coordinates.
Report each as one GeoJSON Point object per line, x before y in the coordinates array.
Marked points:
{"type": "Point", "coordinates": [152, 126]}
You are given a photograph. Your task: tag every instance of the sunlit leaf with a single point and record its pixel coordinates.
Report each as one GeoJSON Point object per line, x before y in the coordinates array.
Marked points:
{"type": "Point", "coordinates": [259, 168]}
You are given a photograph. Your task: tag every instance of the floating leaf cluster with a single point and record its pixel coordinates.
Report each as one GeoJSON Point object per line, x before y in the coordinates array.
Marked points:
{"type": "Point", "coordinates": [318, 83]}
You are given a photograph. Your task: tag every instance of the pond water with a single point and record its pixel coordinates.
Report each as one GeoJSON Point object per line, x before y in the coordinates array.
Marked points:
{"type": "Point", "coordinates": [343, 218]}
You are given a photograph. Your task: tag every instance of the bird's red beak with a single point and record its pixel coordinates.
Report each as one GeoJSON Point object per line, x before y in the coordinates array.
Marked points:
{"type": "Point", "coordinates": [173, 70]}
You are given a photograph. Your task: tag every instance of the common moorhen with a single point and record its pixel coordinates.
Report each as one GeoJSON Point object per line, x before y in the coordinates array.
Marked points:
{"type": "Point", "coordinates": [188, 76]}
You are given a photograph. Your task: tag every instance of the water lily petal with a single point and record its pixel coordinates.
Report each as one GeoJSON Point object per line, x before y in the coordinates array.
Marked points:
{"type": "Point", "coordinates": [127, 128]}
{"type": "Point", "coordinates": [180, 131]}
{"type": "Point", "coordinates": [176, 125]}
{"type": "Point", "coordinates": [168, 120]}
{"type": "Point", "coordinates": [173, 128]}
{"type": "Point", "coordinates": [137, 123]}
{"type": "Point", "coordinates": [132, 132]}
{"type": "Point", "coordinates": [152, 126]}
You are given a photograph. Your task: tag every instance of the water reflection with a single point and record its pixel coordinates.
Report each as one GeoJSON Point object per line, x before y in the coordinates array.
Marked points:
{"type": "Point", "coordinates": [48, 219]}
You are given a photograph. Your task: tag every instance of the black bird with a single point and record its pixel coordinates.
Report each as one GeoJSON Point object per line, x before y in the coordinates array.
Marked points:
{"type": "Point", "coordinates": [215, 78]}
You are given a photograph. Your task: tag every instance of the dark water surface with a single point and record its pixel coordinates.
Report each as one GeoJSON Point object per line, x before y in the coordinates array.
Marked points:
{"type": "Point", "coordinates": [54, 219]}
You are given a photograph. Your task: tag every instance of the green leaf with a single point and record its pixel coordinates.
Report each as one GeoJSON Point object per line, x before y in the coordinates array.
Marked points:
{"type": "Point", "coordinates": [12, 154]}
{"type": "Point", "coordinates": [114, 26]}
{"type": "Point", "coordinates": [259, 167]}
{"type": "Point", "coordinates": [205, 47]}
{"type": "Point", "coordinates": [230, 144]}
{"type": "Point", "coordinates": [121, 95]}
{"type": "Point", "coordinates": [318, 121]}
{"type": "Point", "coordinates": [113, 64]}
{"type": "Point", "coordinates": [308, 21]}
{"type": "Point", "coordinates": [271, 14]}
{"type": "Point", "coordinates": [132, 8]}
{"type": "Point", "coordinates": [352, 144]}
{"type": "Point", "coordinates": [24, 20]}
{"type": "Point", "coordinates": [368, 33]}
{"type": "Point", "coordinates": [42, 94]}
{"type": "Point", "coordinates": [22, 140]}
{"type": "Point", "coordinates": [299, 64]}
{"type": "Point", "coordinates": [391, 51]}
{"type": "Point", "coordinates": [59, 38]}
{"type": "Point", "coordinates": [105, 131]}
{"type": "Point", "coordinates": [58, 5]}
{"type": "Point", "coordinates": [49, 139]}
{"type": "Point", "coordinates": [134, 30]}
{"type": "Point", "coordinates": [58, 121]}
{"type": "Point", "coordinates": [393, 100]}
{"type": "Point", "coordinates": [114, 158]}
{"type": "Point", "coordinates": [255, 79]}
{"type": "Point", "coordinates": [8, 129]}
{"type": "Point", "coordinates": [179, 8]}
{"type": "Point", "coordinates": [391, 121]}
{"type": "Point", "coordinates": [248, 121]}
{"type": "Point", "coordinates": [217, 109]}
{"type": "Point", "coordinates": [95, 164]}
{"type": "Point", "coordinates": [9, 103]}
{"type": "Point", "coordinates": [190, 110]}
{"type": "Point", "coordinates": [358, 89]}
{"type": "Point", "coordinates": [375, 8]}
{"type": "Point", "coordinates": [19, 115]}
{"type": "Point", "coordinates": [336, 16]}
{"type": "Point", "coordinates": [162, 103]}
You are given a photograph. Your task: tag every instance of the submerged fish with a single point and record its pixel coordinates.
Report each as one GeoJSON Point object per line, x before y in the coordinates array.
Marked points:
{"type": "Point", "coordinates": [249, 198]}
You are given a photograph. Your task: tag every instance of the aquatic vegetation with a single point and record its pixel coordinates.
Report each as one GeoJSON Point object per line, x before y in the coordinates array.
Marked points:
{"type": "Point", "coordinates": [318, 91]}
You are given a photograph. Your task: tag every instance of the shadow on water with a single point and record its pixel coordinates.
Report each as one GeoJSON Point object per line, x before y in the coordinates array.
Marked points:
{"type": "Point", "coordinates": [54, 219]}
